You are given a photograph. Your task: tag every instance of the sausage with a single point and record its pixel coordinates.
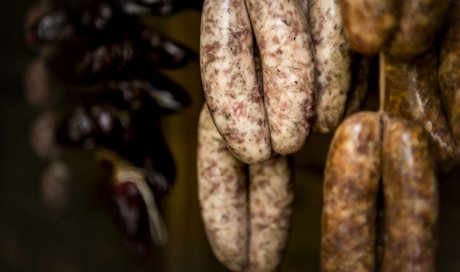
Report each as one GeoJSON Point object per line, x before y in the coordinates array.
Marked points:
{"type": "Point", "coordinates": [410, 198]}
{"type": "Point", "coordinates": [350, 192]}
{"type": "Point", "coordinates": [271, 199]}
{"type": "Point", "coordinates": [411, 91]}
{"type": "Point", "coordinates": [333, 63]}
{"type": "Point", "coordinates": [419, 23]}
{"type": "Point", "coordinates": [369, 23]}
{"type": "Point", "coordinates": [222, 195]}
{"type": "Point", "coordinates": [359, 84]}
{"type": "Point", "coordinates": [449, 67]}
{"type": "Point", "coordinates": [229, 79]}
{"type": "Point", "coordinates": [288, 68]}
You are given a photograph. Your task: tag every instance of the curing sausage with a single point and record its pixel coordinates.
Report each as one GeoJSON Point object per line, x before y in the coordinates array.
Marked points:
{"type": "Point", "coordinates": [449, 69]}
{"type": "Point", "coordinates": [229, 79]}
{"type": "Point", "coordinates": [359, 84]}
{"type": "Point", "coordinates": [411, 91]}
{"type": "Point", "coordinates": [271, 197]}
{"type": "Point", "coordinates": [410, 198]}
{"type": "Point", "coordinates": [222, 195]}
{"type": "Point", "coordinates": [333, 63]}
{"type": "Point", "coordinates": [419, 23]}
{"type": "Point", "coordinates": [288, 68]}
{"type": "Point", "coordinates": [350, 192]}
{"type": "Point", "coordinates": [369, 23]}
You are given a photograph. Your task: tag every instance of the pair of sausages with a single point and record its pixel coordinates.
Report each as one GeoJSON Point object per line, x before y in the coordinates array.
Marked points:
{"type": "Point", "coordinates": [253, 122]}
{"type": "Point", "coordinates": [407, 28]}
{"type": "Point", "coordinates": [365, 149]}
{"type": "Point", "coordinates": [246, 218]}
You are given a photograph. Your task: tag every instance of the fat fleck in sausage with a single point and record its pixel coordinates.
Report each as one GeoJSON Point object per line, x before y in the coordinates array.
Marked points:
{"type": "Point", "coordinates": [411, 91]}
{"type": "Point", "coordinates": [350, 192]}
{"type": "Point", "coordinates": [410, 198]}
{"type": "Point", "coordinates": [449, 69]}
{"type": "Point", "coordinates": [271, 198]}
{"type": "Point", "coordinates": [222, 194]}
{"type": "Point", "coordinates": [359, 84]}
{"type": "Point", "coordinates": [229, 79]}
{"type": "Point", "coordinates": [288, 68]}
{"type": "Point", "coordinates": [333, 63]}
{"type": "Point", "coordinates": [419, 23]}
{"type": "Point", "coordinates": [369, 23]}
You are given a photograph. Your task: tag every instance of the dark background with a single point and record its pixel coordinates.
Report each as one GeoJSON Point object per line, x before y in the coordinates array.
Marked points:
{"type": "Point", "coordinates": [83, 237]}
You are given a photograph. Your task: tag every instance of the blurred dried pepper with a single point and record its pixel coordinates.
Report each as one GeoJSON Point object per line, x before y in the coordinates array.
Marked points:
{"type": "Point", "coordinates": [102, 45]}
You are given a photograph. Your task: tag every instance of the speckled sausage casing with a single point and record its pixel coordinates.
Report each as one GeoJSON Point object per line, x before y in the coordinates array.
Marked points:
{"type": "Point", "coordinates": [411, 91]}
{"type": "Point", "coordinates": [222, 194]}
{"type": "Point", "coordinates": [410, 197]}
{"type": "Point", "coordinates": [449, 69]}
{"type": "Point", "coordinates": [419, 23]}
{"type": "Point", "coordinates": [369, 23]}
{"type": "Point", "coordinates": [350, 192]}
{"type": "Point", "coordinates": [271, 198]}
{"type": "Point", "coordinates": [304, 5]}
{"type": "Point", "coordinates": [359, 84]}
{"type": "Point", "coordinates": [288, 68]}
{"type": "Point", "coordinates": [333, 63]}
{"type": "Point", "coordinates": [229, 79]}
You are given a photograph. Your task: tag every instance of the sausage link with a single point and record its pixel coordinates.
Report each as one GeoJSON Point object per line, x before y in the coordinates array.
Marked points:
{"type": "Point", "coordinates": [288, 68]}
{"type": "Point", "coordinates": [359, 84]}
{"type": "Point", "coordinates": [449, 69]}
{"type": "Point", "coordinates": [411, 91]}
{"type": "Point", "coordinates": [271, 198]}
{"type": "Point", "coordinates": [369, 23]}
{"type": "Point", "coordinates": [419, 23]}
{"type": "Point", "coordinates": [222, 194]}
{"type": "Point", "coordinates": [350, 193]}
{"type": "Point", "coordinates": [410, 198]}
{"type": "Point", "coordinates": [229, 79]}
{"type": "Point", "coordinates": [333, 63]}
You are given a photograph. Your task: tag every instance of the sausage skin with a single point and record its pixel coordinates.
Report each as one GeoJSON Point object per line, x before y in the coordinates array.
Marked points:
{"type": "Point", "coordinates": [449, 69]}
{"type": "Point", "coordinates": [411, 91]}
{"type": "Point", "coordinates": [271, 198]}
{"type": "Point", "coordinates": [350, 192]}
{"type": "Point", "coordinates": [288, 69]}
{"type": "Point", "coordinates": [369, 23]}
{"type": "Point", "coordinates": [229, 79]}
{"type": "Point", "coordinates": [222, 195]}
{"type": "Point", "coordinates": [410, 198]}
{"type": "Point", "coordinates": [333, 63]}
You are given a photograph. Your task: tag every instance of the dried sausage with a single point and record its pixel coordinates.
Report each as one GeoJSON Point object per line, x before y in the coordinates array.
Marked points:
{"type": "Point", "coordinates": [419, 23]}
{"type": "Point", "coordinates": [369, 23]}
{"type": "Point", "coordinates": [222, 195]}
{"type": "Point", "coordinates": [410, 198]}
{"type": "Point", "coordinates": [411, 91]}
{"type": "Point", "coordinates": [333, 63]}
{"type": "Point", "coordinates": [271, 198]}
{"type": "Point", "coordinates": [350, 192]}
